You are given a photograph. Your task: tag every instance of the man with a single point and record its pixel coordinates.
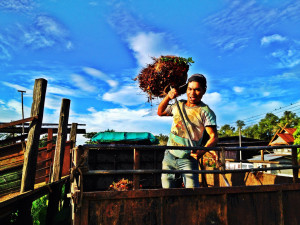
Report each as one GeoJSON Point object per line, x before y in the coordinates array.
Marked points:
{"type": "Point", "coordinates": [199, 118]}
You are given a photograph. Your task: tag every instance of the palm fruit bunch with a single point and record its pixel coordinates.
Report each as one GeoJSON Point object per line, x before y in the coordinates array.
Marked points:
{"type": "Point", "coordinates": [121, 185]}
{"type": "Point", "coordinates": [165, 72]}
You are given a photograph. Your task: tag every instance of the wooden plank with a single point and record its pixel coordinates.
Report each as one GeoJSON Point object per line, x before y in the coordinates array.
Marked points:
{"type": "Point", "coordinates": [17, 122]}
{"type": "Point", "coordinates": [136, 166]}
{"type": "Point", "coordinates": [30, 156]}
{"type": "Point", "coordinates": [44, 130]}
{"type": "Point", "coordinates": [61, 140]}
{"type": "Point", "coordinates": [73, 134]}
{"type": "Point", "coordinates": [295, 163]}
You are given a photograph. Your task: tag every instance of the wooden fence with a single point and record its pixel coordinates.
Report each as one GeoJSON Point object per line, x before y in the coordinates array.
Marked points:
{"type": "Point", "coordinates": [29, 171]}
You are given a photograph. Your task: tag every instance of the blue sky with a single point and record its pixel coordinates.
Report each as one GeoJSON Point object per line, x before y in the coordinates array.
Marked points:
{"type": "Point", "coordinates": [90, 51]}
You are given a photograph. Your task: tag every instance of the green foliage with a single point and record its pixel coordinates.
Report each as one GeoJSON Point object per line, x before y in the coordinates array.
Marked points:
{"type": "Point", "coordinates": [240, 124]}
{"type": "Point", "coordinates": [163, 139]}
{"type": "Point", "coordinates": [39, 210]}
{"type": "Point", "coordinates": [226, 131]}
{"type": "Point", "coordinates": [265, 129]}
{"type": "Point", "coordinates": [297, 141]}
{"type": "Point", "coordinates": [187, 61]}
{"type": "Point", "coordinates": [43, 141]}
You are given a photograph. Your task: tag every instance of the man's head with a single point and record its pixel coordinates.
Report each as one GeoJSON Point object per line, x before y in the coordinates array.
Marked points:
{"type": "Point", "coordinates": [200, 78]}
{"type": "Point", "coordinates": [196, 88]}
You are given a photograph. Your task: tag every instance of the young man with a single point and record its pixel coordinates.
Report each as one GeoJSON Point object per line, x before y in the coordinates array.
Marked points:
{"type": "Point", "coordinates": [199, 118]}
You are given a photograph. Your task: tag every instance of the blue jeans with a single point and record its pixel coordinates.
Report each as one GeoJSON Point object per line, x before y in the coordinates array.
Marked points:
{"type": "Point", "coordinates": [170, 162]}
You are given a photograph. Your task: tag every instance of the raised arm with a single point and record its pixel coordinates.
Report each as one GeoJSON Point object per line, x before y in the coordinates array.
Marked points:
{"type": "Point", "coordinates": [161, 110]}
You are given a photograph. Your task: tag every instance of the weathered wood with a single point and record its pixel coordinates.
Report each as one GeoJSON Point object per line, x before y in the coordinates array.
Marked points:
{"type": "Point", "coordinates": [30, 156]}
{"type": "Point", "coordinates": [49, 156]}
{"type": "Point", "coordinates": [136, 166]}
{"type": "Point", "coordinates": [73, 134]}
{"type": "Point", "coordinates": [61, 139]}
{"type": "Point", "coordinates": [44, 130]}
{"type": "Point", "coordinates": [17, 122]}
{"type": "Point", "coordinates": [295, 163]}
{"type": "Point", "coordinates": [54, 196]}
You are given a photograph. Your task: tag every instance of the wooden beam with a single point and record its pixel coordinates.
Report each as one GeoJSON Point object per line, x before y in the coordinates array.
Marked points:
{"type": "Point", "coordinates": [44, 130]}
{"type": "Point", "coordinates": [73, 134]}
{"type": "Point", "coordinates": [61, 140]}
{"type": "Point", "coordinates": [30, 155]}
{"type": "Point", "coordinates": [17, 122]}
{"type": "Point", "coordinates": [136, 166]}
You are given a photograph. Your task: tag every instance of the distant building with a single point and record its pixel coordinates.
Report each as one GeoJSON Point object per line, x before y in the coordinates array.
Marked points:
{"type": "Point", "coordinates": [283, 137]}
{"type": "Point", "coordinates": [233, 141]}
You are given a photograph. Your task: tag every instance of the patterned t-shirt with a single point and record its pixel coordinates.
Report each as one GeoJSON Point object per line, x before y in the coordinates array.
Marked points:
{"type": "Point", "coordinates": [198, 117]}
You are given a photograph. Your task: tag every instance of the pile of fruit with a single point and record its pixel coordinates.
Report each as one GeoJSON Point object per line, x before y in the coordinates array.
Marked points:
{"type": "Point", "coordinates": [122, 185]}
{"type": "Point", "coordinates": [163, 73]}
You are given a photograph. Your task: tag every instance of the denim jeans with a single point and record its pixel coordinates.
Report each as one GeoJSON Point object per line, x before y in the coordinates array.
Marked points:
{"type": "Point", "coordinates": [170, 180]}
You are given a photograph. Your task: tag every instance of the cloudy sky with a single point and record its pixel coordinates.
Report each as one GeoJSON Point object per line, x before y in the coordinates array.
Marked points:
{"type": "Point", "coordinates": [91, 50]}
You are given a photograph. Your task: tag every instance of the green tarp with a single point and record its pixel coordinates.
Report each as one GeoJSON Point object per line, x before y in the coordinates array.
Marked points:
{"type": "Point", "coordinates": [124, 136]}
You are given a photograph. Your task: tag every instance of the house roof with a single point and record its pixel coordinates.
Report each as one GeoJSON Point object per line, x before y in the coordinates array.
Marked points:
{"type": "Point", "coordinates": [285, 137]}
{"type": "Point", "coordinates": [290, 130]}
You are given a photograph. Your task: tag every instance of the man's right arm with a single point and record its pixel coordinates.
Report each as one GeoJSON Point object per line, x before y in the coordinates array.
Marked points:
{"type": "Point", "coordinates": [161, 110]}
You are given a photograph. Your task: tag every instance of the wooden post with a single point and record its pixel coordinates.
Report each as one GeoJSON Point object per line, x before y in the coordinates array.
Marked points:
{"type": "Point", "coordinates": [73, 134]}
{"type": "Point", "coordinates": [31, 153]}
{"type": "Point", "coordinates": [61, 140]}
{"type": "Point", "coordinates": [136, 166]}
{"type": "Point", "coordinates": [49, 154]}
{"type": "Point", "coordinates": [62, 133]}
{"type": "Point", "coordinates": [295, 163]}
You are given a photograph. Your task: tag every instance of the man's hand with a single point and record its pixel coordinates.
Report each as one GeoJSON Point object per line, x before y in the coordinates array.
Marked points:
{"type": "Point", "coordinates": [198, 154]}
{"type": "Point", "coordinates": [172, 93]}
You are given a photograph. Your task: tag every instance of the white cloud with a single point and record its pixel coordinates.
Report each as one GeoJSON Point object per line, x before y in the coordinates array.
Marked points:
{"type": "Point", "coordinates": [148, 45]}
{"type": "Point", "coordinates": [287, 58]}
{"type": "Point", "coordinates": [127, 95]}
{"type": "Point", "coordinates": [238, 89]}
{"type": "Point", "coordinates": [81, 82]}
{"type": "Point", "coordinates": [123, 120]}
{"type": "Point", "coordinates": [98, 74]}
{"type": "Point", "coordinates": [17, 87]}
{"type": "Point", "coordinates": [60, 90]}
{"type": "Point", "coordinates": [266, 40]}
{"type": "Point", "coordinates": [212, 98]}
{"type": "Point", "coordinates": [2, 102]}
{"type": "Point", "coordinates": [24, 5]}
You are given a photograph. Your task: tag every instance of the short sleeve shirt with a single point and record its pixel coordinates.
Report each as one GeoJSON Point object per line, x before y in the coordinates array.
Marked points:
{"type": "Point", "coordinates": [196, 118]}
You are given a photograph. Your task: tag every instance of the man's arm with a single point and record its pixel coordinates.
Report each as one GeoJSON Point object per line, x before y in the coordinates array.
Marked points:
{"type": "Point", "coordinates": [212, 141]}
{"type": "Point", "coordinates": [161, 110]}
{"type": "Point", "coordinates": [213, 136]}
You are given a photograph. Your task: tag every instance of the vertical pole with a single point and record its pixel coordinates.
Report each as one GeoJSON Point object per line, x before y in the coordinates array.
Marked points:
{"type": "Point", "coordinates": [22, 109]}
{"type": "Point", "coordinates": [136, 166]}
{"type": "Point", "coordinates": [240, 141]}
{"type": "Point", "coordinates": [295, 163]}
{"type": "Point", "coordinates": [73, 134]}
{"type": "Point", "coordinates": [54, 196]}
{"type": "Point", "coordinates": [49, 153]}
{"type": "Point", "coordinates": [31, 153]}
{"type": "Point", "coordinates": [61, 140]}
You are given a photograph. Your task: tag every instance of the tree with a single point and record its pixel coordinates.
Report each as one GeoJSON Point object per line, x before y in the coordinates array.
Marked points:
{"type": "Point", "coordinates": [297, 141]}
{"type": "Point", "coordinates": [268, 126]}
{"type": "Point", "coordinates": [226, 131]}
{"type": "Point", "coordinates": [240, 124]}
{"type": "Point", "coordinates": [290, 119]}
{"type": "Point", "coordinates": [89, 136]}
{"type": "Point", "coordinates": [251, 131]}
{"type": "Point", "coordinates": [163, 139]}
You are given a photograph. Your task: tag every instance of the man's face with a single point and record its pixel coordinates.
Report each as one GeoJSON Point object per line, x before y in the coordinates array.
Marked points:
{"type": "Point", "coordinates": [194, 93]}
